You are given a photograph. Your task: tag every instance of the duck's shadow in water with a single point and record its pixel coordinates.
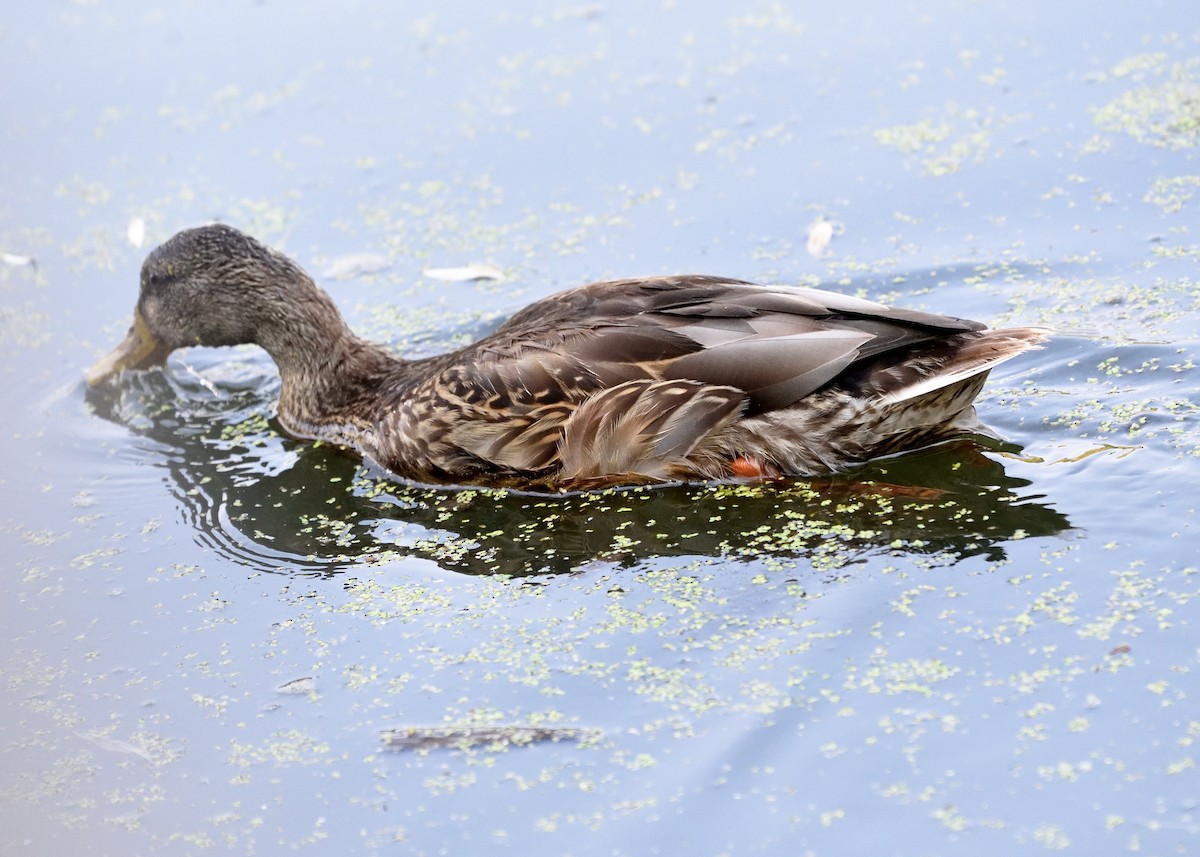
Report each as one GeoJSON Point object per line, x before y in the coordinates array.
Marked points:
{"type": "Point", "coordinates": [267, 502]}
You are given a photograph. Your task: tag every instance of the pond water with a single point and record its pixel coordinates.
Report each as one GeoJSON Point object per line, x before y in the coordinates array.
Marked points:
{"type": "Point", "coordinates": [216, 639]}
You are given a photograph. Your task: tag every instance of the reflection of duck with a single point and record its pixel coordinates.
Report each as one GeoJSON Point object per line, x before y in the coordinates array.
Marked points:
{"type": "Point", "coordinates": [626, 381]}
{"type": "Point", "coordinates": [263, 501]}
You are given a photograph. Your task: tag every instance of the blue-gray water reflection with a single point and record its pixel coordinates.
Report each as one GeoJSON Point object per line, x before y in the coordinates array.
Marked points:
{"type": "Point", "coordinates": [978, 649]}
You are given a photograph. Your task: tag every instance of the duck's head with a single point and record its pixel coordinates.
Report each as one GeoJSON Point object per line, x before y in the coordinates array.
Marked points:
{"type": "Point", "coordinates": [212, 285]}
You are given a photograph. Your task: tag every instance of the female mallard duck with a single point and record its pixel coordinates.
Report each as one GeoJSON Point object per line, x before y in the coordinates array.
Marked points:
{"type": "Point", "coordinates": [666, 378]}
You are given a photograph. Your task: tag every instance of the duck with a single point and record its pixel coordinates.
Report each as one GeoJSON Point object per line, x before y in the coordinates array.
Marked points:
{"type": "Point", "coordinates": [659, 379]}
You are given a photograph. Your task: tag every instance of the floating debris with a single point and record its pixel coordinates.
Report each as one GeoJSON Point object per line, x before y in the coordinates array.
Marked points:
{"type": "Point", "coordinates": [819, 236]}
{"type": "Point", "coordinates": [116, 745]}
{"type": "Point", "coordinates": [465, 273]}
{"type": "Point", "coordinates": [136, 232]}
{"type": "Point", "coordinates": [493, 737]}
{"type": "Point", "coordinates": [18, 261]}
{"type": "Point", "coordinates": [298, 686]}
{"type": "Point", "coordinates": [356, 265]}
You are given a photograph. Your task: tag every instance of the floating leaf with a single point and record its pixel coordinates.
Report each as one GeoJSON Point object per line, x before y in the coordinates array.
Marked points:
{"type": "Point", "coordinates": [474, 271]}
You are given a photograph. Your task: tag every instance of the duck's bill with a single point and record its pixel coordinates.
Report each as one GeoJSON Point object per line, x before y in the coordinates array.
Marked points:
{"type": "Point", "coordinates": [139, 350]}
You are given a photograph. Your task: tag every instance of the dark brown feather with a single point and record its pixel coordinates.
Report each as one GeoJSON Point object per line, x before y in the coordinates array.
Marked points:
{"type": "Point", "coordinates": [657, 378]}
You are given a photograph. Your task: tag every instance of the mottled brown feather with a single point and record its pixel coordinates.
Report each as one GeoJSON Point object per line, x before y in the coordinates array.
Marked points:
{"type": "Point", "coordinates": [626, 380]}
{"type": "Point", "coordinates": [644, 428]}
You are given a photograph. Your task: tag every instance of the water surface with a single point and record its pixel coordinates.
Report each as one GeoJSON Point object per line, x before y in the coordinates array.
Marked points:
{"type": "Point", "coordinates": [213, 634]}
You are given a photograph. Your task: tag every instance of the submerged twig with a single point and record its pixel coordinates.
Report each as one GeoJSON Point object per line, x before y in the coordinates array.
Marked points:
{"type": "Point", "coordinates": [494, 737]}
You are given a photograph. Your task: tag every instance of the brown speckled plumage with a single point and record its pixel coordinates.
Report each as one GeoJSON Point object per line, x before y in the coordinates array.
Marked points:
{"type": "Point", "coordinates": [664, 378]}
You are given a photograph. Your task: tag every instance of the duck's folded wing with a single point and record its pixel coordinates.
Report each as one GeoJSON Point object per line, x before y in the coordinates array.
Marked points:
{"type": "Point", "coordinates": [655, 365]}
{"type": "Point", "coordinates": [776, 343]}
{"type": "Point", "coordinates": [773, 371]}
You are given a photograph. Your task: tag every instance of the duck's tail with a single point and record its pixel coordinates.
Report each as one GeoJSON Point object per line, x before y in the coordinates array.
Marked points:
{"type": "Point", "coordinates": [954, 360]}
{"type": "Point", "coordinates": [930, 396]}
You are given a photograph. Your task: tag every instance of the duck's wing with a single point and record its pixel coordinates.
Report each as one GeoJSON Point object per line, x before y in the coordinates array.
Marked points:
{"type": "Point", "coordinates": [776, 344]}
{"type": "Point", "coordinates": [632, 372]}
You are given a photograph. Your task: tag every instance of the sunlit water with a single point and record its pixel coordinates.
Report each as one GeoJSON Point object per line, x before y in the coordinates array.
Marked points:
{"type": "Point", "coordinates": [211, 631]}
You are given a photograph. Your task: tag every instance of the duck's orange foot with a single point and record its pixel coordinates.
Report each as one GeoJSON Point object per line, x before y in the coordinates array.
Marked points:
{"type": "Point", "coordinates": [749, 467]}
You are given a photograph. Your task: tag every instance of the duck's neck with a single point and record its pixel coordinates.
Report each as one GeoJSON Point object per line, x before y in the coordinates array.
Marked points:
{"type": "Point", "coordinates": [330, 377]}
